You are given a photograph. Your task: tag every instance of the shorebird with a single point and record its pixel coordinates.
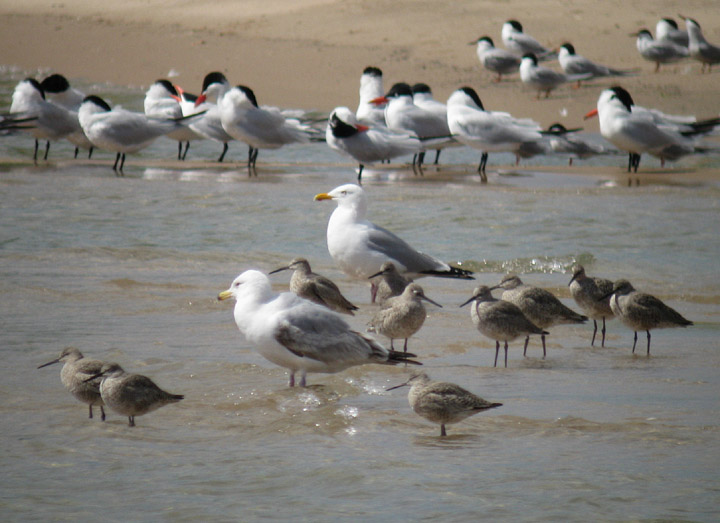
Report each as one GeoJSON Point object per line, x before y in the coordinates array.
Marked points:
{"type": "Point", "coordinates": [441, 402]}
{"type": "Point", "coordinates": [642, 312]}
{"type": "Point", "coordinates": [360, 247]}
{"type": "Point", "coordinates": [522, 43]}
{"type": "Point", "coordinates": [299, 335]}
{"type": "Point", "coordinates": [371, 87]}
{"type": "Point", "coordinates": [75, 375]}
{"type": "Point", "coordinates": [667, 29]}
{"type": "Point", "coordinates": [423, 98]}
{"type": "Point", "coordinates": [658, 51]}
{"type": "Point", "coordinates": [316, 288]}
{"type": "Point", "coordinates": [499, 319]}
{"type": "Point", "coordinates": [573, 63]}
{"type": "Point", "coordinates": [499, 61]}
{"type": "Point", "coordinates": [209, 125]}
{"type": "Point", "coordinates": [541, 307]}
{"type": "Point", "coordinates": [402, 316]}
{"type": "Point", "coordinates": [544, 79]}
{"type": "Point", "coordinates": [591, 295]}
{"type": "Point", "coordinates": [566, 142]}
{"type": "Point", "coordinates": [131, 394]}
{"type": "Point", "coordinates": [391, 283]}
{"type": "Point", "coordinates": [700, 49]}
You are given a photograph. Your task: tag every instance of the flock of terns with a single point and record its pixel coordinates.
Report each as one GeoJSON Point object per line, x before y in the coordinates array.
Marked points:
{"type": "Point", "coordinates": [304, 330]}
{"type": "Point", "coordinates": [405, 120]}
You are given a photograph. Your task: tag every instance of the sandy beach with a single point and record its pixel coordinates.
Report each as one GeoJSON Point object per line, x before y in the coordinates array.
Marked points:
{"type": "Point", "coordinates": [309, 53]}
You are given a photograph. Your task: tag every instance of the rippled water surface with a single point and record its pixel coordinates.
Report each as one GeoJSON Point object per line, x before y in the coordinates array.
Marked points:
{"type": "Point", "coordinates": [128, 270]}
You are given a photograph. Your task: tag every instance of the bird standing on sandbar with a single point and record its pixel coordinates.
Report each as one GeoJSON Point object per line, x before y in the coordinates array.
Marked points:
{"type": "Point", "coordinates": [131, 394]}
{"type": "Point", "coordinates": [402, 316]}
{"type": "Point", "coordinates": [316, 288]}
{"type": "Point", "coordinates": [499, 319]}
{"type": "Point", "coordinates": [591, 295]}
{"type": "Point", "coordinates": [441, 402]}
{"type": "Point", "coordinates": [299, 335]}
{"type": "Point", "coordinates": [74, 376]}
{"type": "Point", "coordinates": [642, 312]}
{"type": "Point", "coordinates": [541, 307]}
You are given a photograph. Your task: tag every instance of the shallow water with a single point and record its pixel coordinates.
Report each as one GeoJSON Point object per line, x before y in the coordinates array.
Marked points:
{"type": "Point", "coordinates": [128, 270]}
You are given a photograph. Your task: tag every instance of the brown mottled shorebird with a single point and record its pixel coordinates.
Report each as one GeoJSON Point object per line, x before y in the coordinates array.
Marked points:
{"type": "Point", "coordinates": [540, 306]}
{"type": "Point", "coordinates": [131, 394]}
{"type": "Point", "coordinates": [402, 316]}
{"type": "Point", "coordinates": [316, 288]}
{"type": "Point", "coordinates": [74, 376]}
{"type": "Point", "coordinates": [499, 319]}
{"type": "Point", "coordinates": [441, 402]}
{"type": "Point", "coordinates": [642, 312]}
{"type": "Point", "coordinates": [390, 284]}
{"type": "Point", "coordinates": [591, 295]}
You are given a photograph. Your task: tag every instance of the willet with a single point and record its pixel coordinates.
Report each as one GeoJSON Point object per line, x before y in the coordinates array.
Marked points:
{"type": "Point", "coordinates": [541, 307]}
{"type": "Point", "coordinates": [499, 319]}
{"type": "Point", "coordinates": [642, 312]}
{"type": "Point", "coordinates": [402, 316]}
{"type": "Point", "coordinates": [131, 394]}
{"type": "Point", "coordinates": [316, 288]}
{"type": "Point", "coordinates": [592, 296]}
{"type": "Point", "coordinates": [360, 247]}
{"type": "Point", "coordinates": [441, 402]}
{"type": "Point", "coordinates": [74, 376]}
{"type": "Point", "coordinates": [390, 283]}
{"type": "Point", "coordinates": [300, 335]}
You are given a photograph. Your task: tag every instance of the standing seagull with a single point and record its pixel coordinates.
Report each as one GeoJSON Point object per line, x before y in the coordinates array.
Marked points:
{"type": "Point", "coordinates": [544, 79]}
{"type": "Point", "coordinates": [442, 403]}
{"type": "Point", "coordinates": [75, 376]}
{"type": "Point", "coordinates": [402, 316]}
{"type": "Point", "coordinates": [299, 335]}
{"type": "Point", "coordinates": [521, 43]}
{"type": "Point", "coordinates": [700, 49]}
{"type": "Point", "coordinates": [259, 127]}
{"type": "Point", "coordinates": [658, 51]}
{"type": "Point", "coordinates": [591, 295]}
{"type": "Point", "coordinates": [541, 307]}
{"type": "Point", "coordinates": [487, 131]}
{"type": "Point", "coordinates": [573, 63]}
{"type": "Point", "coordinates": [131, 394]}
{"type": "Point", "coordinates": [360, 247]}
{"type": "Point", "coordinates": [316, 288]}
{"type": "Point", "coordinates": [346, 135]}
{"type": "Point", "coordinates": [642, 312]}
{"type": "Point", "coordinates": [391, 282]}
{"type": "Point", "coordinates": [499, 61]}
{"type": "Point", "coordinates": [499, 319]}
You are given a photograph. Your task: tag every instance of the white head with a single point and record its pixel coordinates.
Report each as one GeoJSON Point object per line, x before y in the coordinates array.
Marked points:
{"type": "Point", "coordinates": [348, 196]}
{"type": "Point", "coordinates": [251, 283]}
{"type": "Point", "coordinates": [466, 96]}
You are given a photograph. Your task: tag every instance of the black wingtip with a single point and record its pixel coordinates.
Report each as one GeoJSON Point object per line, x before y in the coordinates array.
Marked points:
{"type": "Point", "coordinates": [454, 272]}
{"type": "Point", "coordinates": [395, 357]}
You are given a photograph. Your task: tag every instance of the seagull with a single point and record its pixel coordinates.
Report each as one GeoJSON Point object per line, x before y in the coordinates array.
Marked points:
{"type": "Point", "coordinates": [57, 90]}
{"type": "Point", "coordinates": [299, 335]}
{"type": "Point", "coordinates": [667, 29]}
{"type": "Point", "coordinates": [360, 247]}
{"type": "Point", "coordinates": [51, 122]}
{"type": "Point", "coordinates": [637, 132]}
{"type": "Point", "coordinates": [441, 402]}
{"type": "Point", "coordinates": [403, 116]}
{"type": "Point", "coordinates": [658, 51]}
{"type": "Point", "coordinates": [499, 319]}
{"type": "Point", "coordinates": [371, 87]}
{"type": "Point", "coordinates": [499, 61]}
{"type": "Point", "coordinates": [162, 100]}
{"type": "Point", "coordinates": [544, 79]}
{"type": "Point", "coordinates": [487, 131]}
{"type": "Point", "coordinates": [346, 135]}
{"type": "Point", "coordinates": [316, 288]}
{"type": "Point", "coordinates": [641, 311]}
{"type": "Point", "coordinates": [573, 63]}
{"type": "Point", "coordinates": [259, 127]}
{"type": "Point", "coordinates": [119, 130]}
{"type": "Point", "coordinates": [700, 49]}
{"type": "Point", "coordinates": [521, 43]}
{"type": "Point", "coordinates": [74, 376]}
{"type": "Point", "coordinates": [209, 125]}
{"type": "Point", "coordinates": [566, 142]}
{"type": "Point", "coordinates": [131, 394]}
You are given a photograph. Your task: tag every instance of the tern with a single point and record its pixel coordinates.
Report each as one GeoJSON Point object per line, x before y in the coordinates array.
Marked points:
{"type": "Point", "coordinates": [371, 87]}
{"type": "Point", "coordinates": [214, 87]}
{"type": "Point", "coordinates": [544, 79]}
{"type": "Point", "coordinates": [658, 51]}
{"type": "Point", "coordinates": [499, 61]}
{"type": "Point", "coordinates": [667, 29]}
{"type": "Point", "coordinates": [700, 49]}
{"type": "Point", "coordinates": [522, 43]}
{"type": "Point", "coordinates": [573, 63]}
{"type": "Point", "coordinates": [57, 90]}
